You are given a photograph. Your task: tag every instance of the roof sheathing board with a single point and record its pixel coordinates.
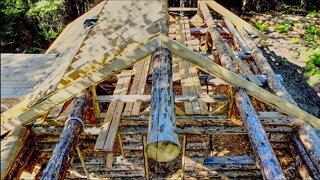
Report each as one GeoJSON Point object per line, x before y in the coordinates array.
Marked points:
{"type": "Point", "coordinates": [21, 72]}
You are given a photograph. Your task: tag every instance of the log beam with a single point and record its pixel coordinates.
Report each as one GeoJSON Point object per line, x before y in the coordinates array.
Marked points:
{"type": "Point", "coordinates": [163, 143]}
{"type": "Point", "coordinates": [65, 149]}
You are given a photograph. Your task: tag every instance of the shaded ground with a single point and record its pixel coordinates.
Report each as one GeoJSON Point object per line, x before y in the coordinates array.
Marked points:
{"type": "Point", "coordinates": [288, 51]}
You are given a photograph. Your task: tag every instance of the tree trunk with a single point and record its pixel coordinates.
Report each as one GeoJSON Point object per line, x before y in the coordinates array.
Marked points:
{"type": "Point", "coordinates": [163, 143]}
{"type": "Point", "coordinates": [65, 149]}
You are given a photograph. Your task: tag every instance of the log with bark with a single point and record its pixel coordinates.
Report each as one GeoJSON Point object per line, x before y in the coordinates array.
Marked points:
{"type": "Point", "coordinates": [65, 149]}
{"type": "Point", "coordinates": [163, 143]}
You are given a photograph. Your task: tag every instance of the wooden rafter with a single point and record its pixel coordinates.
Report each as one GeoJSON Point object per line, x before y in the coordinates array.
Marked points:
{"type": "Point", "coordinates": [234, 18]}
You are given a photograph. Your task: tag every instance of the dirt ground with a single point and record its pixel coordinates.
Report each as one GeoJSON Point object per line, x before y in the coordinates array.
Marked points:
{"type": "Point", "coordinates": [289, 59]}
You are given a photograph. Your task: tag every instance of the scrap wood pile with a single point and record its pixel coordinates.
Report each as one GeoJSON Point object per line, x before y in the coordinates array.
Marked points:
{"type": "Point", "coordinates": [141, 92]}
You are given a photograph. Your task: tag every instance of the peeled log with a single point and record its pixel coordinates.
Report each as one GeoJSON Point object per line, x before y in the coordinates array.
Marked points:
{"type": "Point", "coordinates": [65, 149]}
{"type": "Point", "coordinates": [163, 143]}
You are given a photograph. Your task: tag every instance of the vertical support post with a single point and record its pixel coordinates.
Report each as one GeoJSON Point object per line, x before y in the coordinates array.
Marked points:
{"type": "Point", "coordinates": [64, 151]}
{"type": "Point", "coordinates": [163, 142]}
{"type": "Point", "coordinates": [146, 165]}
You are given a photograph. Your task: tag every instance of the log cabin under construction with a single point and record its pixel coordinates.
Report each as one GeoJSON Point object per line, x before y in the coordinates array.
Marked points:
{"type": "Point", "coordinates": [138, 89]}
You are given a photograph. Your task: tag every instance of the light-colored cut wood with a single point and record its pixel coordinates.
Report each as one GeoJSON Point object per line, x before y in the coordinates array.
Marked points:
{"type": "Point", "coordinates": [234, 18]}
{"type": "Point", "coordinates": [20, 114]}
{"type": "Point", "coordinates": [243, 67]}
{"type": "Point", "coordinates": [114, 111]}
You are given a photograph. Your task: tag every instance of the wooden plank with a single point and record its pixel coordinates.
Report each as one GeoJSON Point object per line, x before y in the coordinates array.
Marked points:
{"type": "Point", "coordinates": [243, 67]}
{"type": "Point", "coordinates": [138, 85]}
{"type": "Point", "coordinates": [255, 91]}
{"type": "Point", "coordinates": [73, 30]}
{"type": "Point", "coordinates": [95, 50]}
{"type": "Point", "coordinates": [234, 18]}
{"type": "Point", "coordinates": [55, 73]}
{"type": "Point", "coordinates": [124, 47]}
{"type": "Point", "coordinates": [142, 84]}
{"type": "Point", "coordinates": [237, 36]}
{"type": "Point", "coordinates": [182, 9]}
{"type": "Point", "coordinates": [138, 67]}
{"type": "Point", "coordinates": [189, 77]}
{"type": "Point", "coordinates": [193, 71]}
{"type": "Point", "coordinates": [145, 157]}
{"type": "Point", "coordinates": [208, 98]}
{"type": "Point", "coordinates": [20, 114]}
{"type": "Point", "coordinates": [117, 113]}
{"type": "Point", "coordinates": [183, 159]}
{"type": "Point", "coordinates": [113, 109]}
{"type": "Point", "coordinates": [182, 69]}
{"type": "Point", "coordinates": [228, 160]}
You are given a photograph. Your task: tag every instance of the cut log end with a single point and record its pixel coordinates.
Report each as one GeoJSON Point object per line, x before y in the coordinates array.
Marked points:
{"type": "Point", "coordinates": [162, 151]}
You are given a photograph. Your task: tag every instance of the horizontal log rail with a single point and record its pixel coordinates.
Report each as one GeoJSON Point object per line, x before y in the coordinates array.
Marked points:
{"type": "Point", "coordinates": [147, 98]}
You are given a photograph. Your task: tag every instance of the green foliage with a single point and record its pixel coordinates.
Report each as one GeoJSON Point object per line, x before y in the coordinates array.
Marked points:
{"type": "Point", "coordinates": [314, 30]}
{"type": "Point", "coordinates": [312, 34]}
{"type": "Point", "coordinates": [262, 27]}
{"type": "Point", "coordinates": [45, 7]}
{"type": "Point", "coordinates": [294, 40]}
{"type": "Point", "coordinates": [313, 65]}
{"type": "Point", "coordinates": [283, 6]}
{"type": "Point", "coordinates": [34, 50]}
{"type": "Point", "coordinates": [46, 12]}
{"type": "Point", "coordinates": [312, 14]}
{"type": "Point", "coordinates": [12, 7]}
{"type": "Point", "coordinates": [282, 27]}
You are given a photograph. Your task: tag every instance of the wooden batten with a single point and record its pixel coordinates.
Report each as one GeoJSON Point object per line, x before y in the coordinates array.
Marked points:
{"type": "Point", "coordinates": [65, 149]}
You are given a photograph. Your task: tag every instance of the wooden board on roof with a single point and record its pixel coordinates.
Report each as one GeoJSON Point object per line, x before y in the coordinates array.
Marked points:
{"type": "Point", "coordinates": [73, 30]}
{"type": "Point", "coordinates": [89, 52]}
{"type": "Point", "coordinates": [21, 72]}
{"type": "Point", "coordinates": [21, 114]}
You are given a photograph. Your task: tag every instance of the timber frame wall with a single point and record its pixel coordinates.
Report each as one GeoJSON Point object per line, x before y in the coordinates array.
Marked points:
{"type": "Point", "coordinates": [221, 130]}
